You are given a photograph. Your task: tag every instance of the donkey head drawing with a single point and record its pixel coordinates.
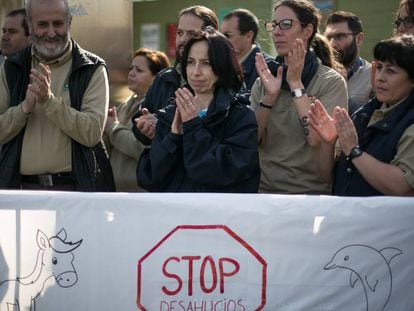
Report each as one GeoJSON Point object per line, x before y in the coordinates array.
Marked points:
{"type": "Point", "coordinates": [54, 260]}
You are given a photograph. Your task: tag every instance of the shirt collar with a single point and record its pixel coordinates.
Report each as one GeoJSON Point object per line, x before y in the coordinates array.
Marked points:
{"type": "Point", "coordinates": [354, 68]}
{"type": "Point", "coordinates": [383, 112]}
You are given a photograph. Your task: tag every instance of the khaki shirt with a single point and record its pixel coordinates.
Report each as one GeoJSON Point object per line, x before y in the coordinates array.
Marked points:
{"type": "Point", "coordinates": [125, 148]}
{"type": "Point", "coordinates": [288, 164]}
{"type": "Point", "coordinates": [51, 126]}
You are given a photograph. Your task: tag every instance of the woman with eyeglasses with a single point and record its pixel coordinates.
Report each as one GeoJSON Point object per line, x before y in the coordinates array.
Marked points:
{"type": "Point", "coordinates": [404, 24]}
{"type": "Point", "coordinates": [281, 98]}
{"type": "Point", "coordinates": [377, 144]}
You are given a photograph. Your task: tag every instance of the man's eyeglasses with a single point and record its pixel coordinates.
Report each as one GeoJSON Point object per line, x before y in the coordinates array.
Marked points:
{"type": "Point", "coordinates": [339, 36]}
{"type": "Point", "coordinates": [407, 21]}
{"type": "Point", "coordinates": [283, 24]}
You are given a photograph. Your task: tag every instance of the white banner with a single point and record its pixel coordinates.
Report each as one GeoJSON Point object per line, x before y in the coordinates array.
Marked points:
{"type": "Point", "coordinates": [204, 252]}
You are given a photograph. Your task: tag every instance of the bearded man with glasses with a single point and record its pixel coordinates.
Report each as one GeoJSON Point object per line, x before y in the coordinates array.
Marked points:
{"type": "Point", "coordinates": [345, 34]}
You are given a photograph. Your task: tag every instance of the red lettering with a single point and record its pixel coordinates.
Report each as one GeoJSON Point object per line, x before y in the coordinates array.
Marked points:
{"type": "Point", "coordinates": [227, 268]}
{"type": "Point", "coordinates": [203, 286]}
{"type": "Point", "coordinates": [172, 276]}
{"type": "Point", "coordinates": [229, 273]}
{"type": "Point", "coordinates": [190, 272]}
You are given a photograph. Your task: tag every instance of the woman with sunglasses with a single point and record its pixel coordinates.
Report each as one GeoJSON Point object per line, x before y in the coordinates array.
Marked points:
{"type": "Point", "coordinates": [377, 144]}
{"type": "Point", "coordinates": [282, 96]}
{"type": "Point", "coordinates": [404, 24]}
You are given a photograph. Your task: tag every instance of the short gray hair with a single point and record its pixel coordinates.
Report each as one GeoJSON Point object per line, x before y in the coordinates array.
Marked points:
{"type": "Point", "coordinates": [29, 9]}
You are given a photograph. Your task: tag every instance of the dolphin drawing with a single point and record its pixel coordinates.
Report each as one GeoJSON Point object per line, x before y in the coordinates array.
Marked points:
{"type": "Point", "coordinates": [369, 266]}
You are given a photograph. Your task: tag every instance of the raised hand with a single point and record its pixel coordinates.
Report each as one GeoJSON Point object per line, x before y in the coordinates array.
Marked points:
{"type": "Point", "coordinates": [177, 124]}
{"type": "Point", "coordinates": [112, 117]}
{"type": "Point", "coordinates": [347, 134]}
{"type": "Point", "coordinates": [270, 83]}
{"type": "Point", "coordinates": [322, 122]}
{"type": "Point", "coordinates": [295, 61]}
{"type": "Point", "coordinates": [186, 104]}
{"type": "Point", "coordinates": [40, 78]}
{"type": "Point", "coordinates": [30, 101]}
{"type": "Point", "coordinates": [146, 123]}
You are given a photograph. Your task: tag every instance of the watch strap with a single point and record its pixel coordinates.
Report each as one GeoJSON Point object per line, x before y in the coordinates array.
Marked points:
{"type": "Point", "coordinates": [265, 106]}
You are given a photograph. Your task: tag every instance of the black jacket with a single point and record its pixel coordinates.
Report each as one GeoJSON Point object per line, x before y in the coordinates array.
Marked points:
{"type": "Point", "coordinates": [90, 166]}
{"type": "Point", "coordinates": [217, 153]}
{"type": "Point", "coordinates": [380, 140]}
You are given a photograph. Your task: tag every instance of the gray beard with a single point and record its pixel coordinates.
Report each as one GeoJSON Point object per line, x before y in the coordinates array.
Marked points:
{"type": "Point", "coordinates": [51, 53]}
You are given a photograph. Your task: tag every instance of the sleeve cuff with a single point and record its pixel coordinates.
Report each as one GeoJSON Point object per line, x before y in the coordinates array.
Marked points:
{"type": "Point", "coordinates": [23, 114]}
{"type": "Point", "coordinates": [409, 178]}
{"type": "Point", "coordinates": [50, 105]}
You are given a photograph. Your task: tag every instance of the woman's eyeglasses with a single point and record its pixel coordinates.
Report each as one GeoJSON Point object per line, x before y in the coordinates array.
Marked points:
{"type": "Point", "coordinates": [407, 21]}
{"type": "Point", "coordinates": [283, 24]}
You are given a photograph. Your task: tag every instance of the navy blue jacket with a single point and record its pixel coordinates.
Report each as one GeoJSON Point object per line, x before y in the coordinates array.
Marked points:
{"type": "Point", "coordinates": [161, 90]}
{"type": "Point", "coordinates": [216, 153]}
{"type": "Point", "coordinates": [380, 140]}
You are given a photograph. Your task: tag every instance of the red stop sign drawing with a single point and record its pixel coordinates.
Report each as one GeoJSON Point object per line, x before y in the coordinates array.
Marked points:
{"type": "Point", "coordinates": [201, 267]}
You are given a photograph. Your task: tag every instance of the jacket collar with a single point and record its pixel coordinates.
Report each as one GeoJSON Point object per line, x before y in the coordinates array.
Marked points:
{"type": "Point", "coordinates": [386, 124]}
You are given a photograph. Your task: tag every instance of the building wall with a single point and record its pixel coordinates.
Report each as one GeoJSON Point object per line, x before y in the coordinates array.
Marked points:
{"type": "Point", "coordinates": [111, 30]}
{"type": "Point", "coordinates": [155, 12]}
{"type": "Point", "coordinates": [8, 5]}
{"type": "Point", "coordinates": [377, 16]}
{"type": "Point", "coordinates": [103, 27]}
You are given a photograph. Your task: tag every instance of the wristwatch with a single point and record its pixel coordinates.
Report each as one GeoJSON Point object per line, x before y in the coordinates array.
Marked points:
{"type": "Point", "coordinates": [296, 93]}
{"type": "Point", "coordinates": [355, 153]}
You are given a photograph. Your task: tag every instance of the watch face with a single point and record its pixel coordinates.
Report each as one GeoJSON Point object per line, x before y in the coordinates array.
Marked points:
{"type": "Point", "coordinates": [298, 92]}
{"type": "Point", "coordinates": [355, 152]}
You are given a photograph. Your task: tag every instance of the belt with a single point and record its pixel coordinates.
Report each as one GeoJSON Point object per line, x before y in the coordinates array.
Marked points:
{"type": "Point", "coordinates": [49, 180]}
